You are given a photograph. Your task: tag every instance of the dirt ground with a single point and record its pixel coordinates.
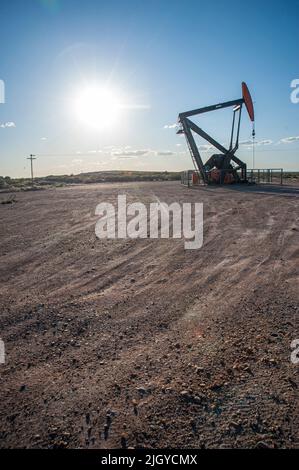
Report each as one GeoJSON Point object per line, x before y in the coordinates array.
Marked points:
{"type": "Point", "coordinates": [140, 343]}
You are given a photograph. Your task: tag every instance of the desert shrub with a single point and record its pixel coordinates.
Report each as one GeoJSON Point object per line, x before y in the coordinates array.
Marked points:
{"type": "Point", "coordinates": [10, 199]}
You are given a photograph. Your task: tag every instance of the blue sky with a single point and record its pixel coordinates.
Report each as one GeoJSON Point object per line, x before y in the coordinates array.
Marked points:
{"type": "Point", "coordinates": [164, 57]}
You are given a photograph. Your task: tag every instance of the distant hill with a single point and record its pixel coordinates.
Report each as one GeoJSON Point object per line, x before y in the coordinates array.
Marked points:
{"type": "Point", "coordinates": [7, 183]}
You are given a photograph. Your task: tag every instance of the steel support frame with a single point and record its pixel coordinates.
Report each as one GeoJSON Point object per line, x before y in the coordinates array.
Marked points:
{"type": "Point", "coordinates": [188, 126]}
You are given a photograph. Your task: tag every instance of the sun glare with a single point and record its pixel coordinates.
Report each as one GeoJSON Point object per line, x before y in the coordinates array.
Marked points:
{"type": "Point", "coordinates": [98, 107]}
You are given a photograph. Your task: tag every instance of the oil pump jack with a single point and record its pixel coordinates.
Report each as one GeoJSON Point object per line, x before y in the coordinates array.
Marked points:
{"type": "Point", "coordinates": [222, 167]}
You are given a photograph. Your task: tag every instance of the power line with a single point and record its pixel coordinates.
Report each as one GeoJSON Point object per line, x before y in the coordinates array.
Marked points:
{"type": "Point", "coordinates": [86, 154]}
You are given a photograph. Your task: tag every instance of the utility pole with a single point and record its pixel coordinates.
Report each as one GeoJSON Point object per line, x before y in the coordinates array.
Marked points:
{"type": "Point", "coordinates": [31, 158]}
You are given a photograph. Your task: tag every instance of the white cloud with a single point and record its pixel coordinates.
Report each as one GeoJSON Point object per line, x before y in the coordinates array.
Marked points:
{"type": "Point", "coordinates": [258, 142]}
{"type": "Point", "coordinates": [130, 153]}
{"type": "Point", "coordinates": [7, 124]}
{"type": "Point", "coordinates": [44, 138]}
{"type": "Point", "coordinates": [77, 160]}
{"type": "Point", "coordinates": [164, 152]}
{"type": "Point", "coordinates": [170, 126]}
{"type": "Point", "coordinates": [129, 157]}
{"type": "Point", "coordinates": [289, 140]}
{"type": "Point", "coordinates": [206, 147]}
{"type": "Point", "coordinates": [265, 142]}
{"type": "Point", "coordinates": [127, 152]}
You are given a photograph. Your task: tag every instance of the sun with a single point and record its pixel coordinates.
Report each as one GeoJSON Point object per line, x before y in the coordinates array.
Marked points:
{"type": "Point", "coordinates": [98, 107]}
